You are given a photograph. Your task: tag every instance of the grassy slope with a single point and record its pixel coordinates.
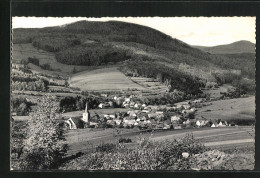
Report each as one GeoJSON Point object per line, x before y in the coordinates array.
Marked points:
{"type": "Point", "coordinates": [103, 79]}
{"type": "Point", "coordinates": [240, 108]}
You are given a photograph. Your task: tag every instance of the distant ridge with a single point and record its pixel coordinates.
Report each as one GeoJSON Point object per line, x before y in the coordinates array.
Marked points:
{"type": "Point", "coordinates": [242, 46]}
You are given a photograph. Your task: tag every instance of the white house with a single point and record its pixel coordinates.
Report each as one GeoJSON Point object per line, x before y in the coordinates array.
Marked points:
{"type": "Point", "coordinates": [101, 105]}
{"type": "Point", "coordinates": [175, 119]}
{"type": "Point", "coordinates": [198, 123]}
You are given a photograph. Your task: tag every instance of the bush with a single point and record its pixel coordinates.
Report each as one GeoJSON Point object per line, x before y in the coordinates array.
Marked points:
{"type": "Point", "coordinates": [45, 143]}
{"type": "Point", "coordinates": [124, 140]}
{"type": "Point", "coordinates": [108, 147]}
{"type": "Point", "coordinates": [21, 106]}
{"type": "Point", "coordinates": [33, 60]}
{"type": "Point", "coordinates": [144, 156]}
{"type": "Point", "coordinates": [46, 67]}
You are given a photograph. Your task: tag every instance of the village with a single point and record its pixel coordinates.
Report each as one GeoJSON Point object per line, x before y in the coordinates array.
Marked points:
{"type": "Point", "coordinates": [139, 115]}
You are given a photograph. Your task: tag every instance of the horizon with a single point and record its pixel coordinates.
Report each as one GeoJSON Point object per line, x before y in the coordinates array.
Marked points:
{"type": "Point", "coordinates": [195, 31]}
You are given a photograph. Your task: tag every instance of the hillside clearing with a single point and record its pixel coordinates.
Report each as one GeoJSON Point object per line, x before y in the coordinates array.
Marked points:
{"type": "Point", "coordinates": [106, 79]}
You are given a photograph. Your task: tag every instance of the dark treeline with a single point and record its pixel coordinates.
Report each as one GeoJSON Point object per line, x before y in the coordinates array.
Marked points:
{"type": "Point", "coordinates": [91, 56]}
{"type": "Point", "coordinates": [70, 103]}
{"type": "Point", "coordinates": [54, 44]}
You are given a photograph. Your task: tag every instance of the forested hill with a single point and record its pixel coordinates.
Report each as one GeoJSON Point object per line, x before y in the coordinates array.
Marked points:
{"type": "Point", "coordinates": [233, 48]}
{"type": "Point", "coordinates": [96, 43]}
{"type": "Point", "coordinates": [100, 43]}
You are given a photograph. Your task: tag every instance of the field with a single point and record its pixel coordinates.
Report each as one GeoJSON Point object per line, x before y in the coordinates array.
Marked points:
{"type": "Point", "coordinates": [239, 108]}
{"type": "Point", "coordinates": [83, 140]}
{"type": "Point", "coordinates": [111, 79]}
{"type": "Point", "coordinates": [106, 79]}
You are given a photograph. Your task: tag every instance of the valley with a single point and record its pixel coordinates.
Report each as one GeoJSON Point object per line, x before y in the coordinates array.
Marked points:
{"type": "Point", "coordinates": [122, 88]}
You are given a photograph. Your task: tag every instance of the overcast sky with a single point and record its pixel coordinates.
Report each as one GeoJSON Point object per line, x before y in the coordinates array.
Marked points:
{"type": "Point", "coordinates": [202, 31]}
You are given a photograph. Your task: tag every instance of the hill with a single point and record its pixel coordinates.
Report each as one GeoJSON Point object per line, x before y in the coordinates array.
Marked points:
{"type": "Point", "coordinates": [138, 49]}
{"type": "Point", "coordinates": [232, 48]}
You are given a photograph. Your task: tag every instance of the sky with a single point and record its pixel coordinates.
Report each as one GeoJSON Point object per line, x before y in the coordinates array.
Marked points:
{"type": "Point", "coordinates": [202, 31]}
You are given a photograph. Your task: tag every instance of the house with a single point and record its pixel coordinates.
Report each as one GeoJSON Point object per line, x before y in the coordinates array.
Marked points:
{"type": "Point", "coordinates": [214, 124]}
{"type": "Point", "coordinates": [137, 106]}
{"type": "Point", "coordinates": [159, 112]}
{"type": "Point", "coordinates": [101, 105]}
{"type": "Point", "coordinates": [75, 123]}
{"type": "Point", "coordinates": [111, 122]}
{"type": "Point", "coordinates": [117, 121]}
{"type": "Point", "coordinates": [197, 101]}
{"type": "Point", "coordinates": [175, 119]}
{"type": "Point", "coordinates": [110, 103]}
{"type": "Point", "coordinates": [104, 95]}
{"type": "Point", "coordinates": [186, 106]}
{"type": "Point", "coordinates": [115, 98]}
{"type": "Point", "coordinates": [152, 115]}
{"type": "Point", "coordinates": [127, 100]}
{"type": "Point", "coordinates": [126, 105]}
{"type": "Point", "coordinates": [222, 124]}
{"type": "Point", "coordinates": [198, 124]}
{"type": "Point", "coordinates": [146, 111]}
{"type": "Point", "coordinates": [177, 127]}
{"type": "Point", "coordinates": [186, 122]}
{"type": "Point", "coordinates": [109, 116]}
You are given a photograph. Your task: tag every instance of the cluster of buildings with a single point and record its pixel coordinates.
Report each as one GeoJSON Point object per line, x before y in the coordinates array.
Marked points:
{"type": "Point", "coordinates": [145, 117]}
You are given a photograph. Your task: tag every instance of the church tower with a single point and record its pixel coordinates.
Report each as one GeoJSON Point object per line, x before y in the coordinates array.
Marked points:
{"type": "Point", "coordinates": [86, 114]}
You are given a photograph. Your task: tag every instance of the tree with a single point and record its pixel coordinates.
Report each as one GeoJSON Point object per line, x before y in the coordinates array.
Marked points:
{"type": "Point", "coordinates": [74, 70]}
{"type": "Point", "coordinates": [45, 143]}
{"type": "Point", "coordinates": [66, 83]}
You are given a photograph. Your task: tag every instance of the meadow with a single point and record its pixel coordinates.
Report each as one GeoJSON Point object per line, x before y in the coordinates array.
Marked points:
{"type": "Point", "coordinates": [229, 109]}
{"type": "Point", "coordinates": [105, 79]}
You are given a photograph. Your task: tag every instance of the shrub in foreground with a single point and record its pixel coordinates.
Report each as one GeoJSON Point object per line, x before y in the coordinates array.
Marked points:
{"type": "Point", "coordinates": [44, 146]}
{"type": "Point", "coordinates": [144, 156]}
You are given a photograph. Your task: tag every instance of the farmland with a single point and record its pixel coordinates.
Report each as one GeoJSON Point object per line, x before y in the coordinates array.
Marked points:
{"type": "Point", "coordinates": [107, 79]}
{"type": "Point", "coordinates": [111, 79]}
{"type": "Point", "coordinates": [85, 139]}
{"type": "Point", "coordinates": [239, 108]}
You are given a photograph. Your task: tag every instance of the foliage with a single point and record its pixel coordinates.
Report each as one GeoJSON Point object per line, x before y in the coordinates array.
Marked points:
{"type": "Point", "coordinates": [33, 60]}
{"type": "Point", "coordinates": [70, 103]}
{"type": "Point", "coordinates": [177, 79]}
{"type": "Point", "coordinates": [144, 156]}
{"type": "Point", "coordinates": [54, 43]}
{"type": "Point", "coordinates": [21, 106]}
{"type": "Point", "coordinates": [227, 77]}
{"type": "Point", "coordinates": [39, 85]}
{"type": "Point", "coordinates": [106, 147]}
{"type": "Point", "coordinates": [91, 56]}
{"type": "Point", "coordinates": [46, 67]}
{"type": "Point", "coordinates": [45, 143]}
{"type": "Point", "coordinates": [124, 140]}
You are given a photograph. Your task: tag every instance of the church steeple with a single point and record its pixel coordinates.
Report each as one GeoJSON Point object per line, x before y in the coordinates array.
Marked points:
{"type": "Point", "coordinates": [86, 114]}
{"type": "Point", "coordinates": [86, 109]}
